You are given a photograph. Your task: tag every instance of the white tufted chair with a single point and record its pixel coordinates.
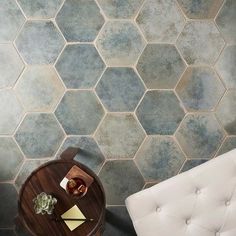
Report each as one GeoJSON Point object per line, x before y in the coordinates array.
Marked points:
{"type": "Point", "coordinates": [199, 202]}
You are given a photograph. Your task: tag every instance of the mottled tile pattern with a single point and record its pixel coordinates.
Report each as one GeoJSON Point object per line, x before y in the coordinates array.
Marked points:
{"type": "Point", "coordinates": [79, 112]}
{"type": "Point", "coordinates": [39, 88]}
{"type": "Point", "coordinates": [80, 20]}
{"type": "Point", "coordinates": [120, 179]}
{"type": "Point", "coordinates": [200, 135]}
{"type": "Point", "coordinates": [120, 43]}
{"type": "Point", "coordinates": [80, 66]}
{"type": "Point", "coordinates": [160, 20]}
{"type": "Point", "coordinates": [189, 164]}
{"type": "Point", "coordinates": [39, 42]}
{"type": "Point", "coordinates": [200, 89]}
{"type": "Point", "coordinates": [200, 42]}
{"type": "Point", "coordinates": [160, 66]}
{"type": "Point", "coordinates": [39, 135]}
{"type": "Point", "coordinates": [119, 136]}
{"type": "Point", "coordinates": [228, 145]}
{"type": "Point", "coordinates": [120, 89]}
{"type": "Point", "coordinates": [159, 158]}
{"type": "Point", "coordinates": [160, 112]}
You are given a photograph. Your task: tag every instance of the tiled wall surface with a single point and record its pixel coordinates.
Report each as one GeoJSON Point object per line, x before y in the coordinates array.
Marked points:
{"type": "Point", "coordinates": [146, 87]}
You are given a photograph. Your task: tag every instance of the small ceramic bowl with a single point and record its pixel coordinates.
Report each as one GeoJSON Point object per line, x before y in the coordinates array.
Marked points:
{"type": "Point", "coordinates": [76, 187]}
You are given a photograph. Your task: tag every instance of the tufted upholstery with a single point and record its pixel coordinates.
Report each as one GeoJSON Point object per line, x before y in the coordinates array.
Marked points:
{"type": "Point", "coordinates": [199, 202]}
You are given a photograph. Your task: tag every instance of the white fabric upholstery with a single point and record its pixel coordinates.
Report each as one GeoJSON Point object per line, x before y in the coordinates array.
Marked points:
{"type": "Point", "coordinates": [199, 202]}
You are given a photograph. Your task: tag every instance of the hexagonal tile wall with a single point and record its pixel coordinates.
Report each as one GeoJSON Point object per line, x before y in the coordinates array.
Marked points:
{"type": "Point", "coordinates": [39, 135]}
{"type": "Point", "coordinates": [80, 66]}
{"type": "Point", "coordinates": [11, 65]}
{"type": "Point", "coordinates": [163, 15]}
{"type": "Point", "coordinates": [39, 88]}
{"type": "Point", "coordinates": [120, 43]}
{"type": "Point", "coordinates": [189, 164]}
{"type": "Point", "coordinates": [120, 89]}
{"type": "Point", "coordinates": [39, 42]}
{"type": "Point", "coordinates": [160, 112]}
{"type": "Point", "coordinates": [80, 20]}
{"type": "Point", "coordinates": [226, 112]}
{"type": "Point", "coordinates": [160, 66]}
{"type": "Point", "coordinates": [200, 89]}
{"type": "Point", "coordinates": [75, 109]}
{"type": "Point", "coordinates": [159, 158]}
{"type": "Point", "coordinates": [119, 136]}
{"type": "Point", "coordinates": [114, 176]}
{"type": "Point", "coordinates": [200, 42]}
{"type": "Point", "coordinates": [228, 145]}
{"type": "Point", "coordinates": [200, 135]}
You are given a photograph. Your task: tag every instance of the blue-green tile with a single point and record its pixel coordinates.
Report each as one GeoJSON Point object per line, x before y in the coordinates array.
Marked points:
{"type": "Point", "coordinates": [7, 232]}
{"type": "Point", "coordinates": [120, 43]}
{"type": "Point", "coordinates": [200, 135]}
{"type": "Point", "coordinates": [159, 158]}
{"type": "Point", "coordinates": [40, 42]}
{"type": "Point", "coordinates": [189, 164]}
{"type": "Point", "coordinates": [160, 66]}
{"type": "Point", "coordinates": [120, 89]}
{"type": "Point", "coordinates": [119, 135]}
{"type": "Point", "coordinates": [79, 112]}
{"type": "Point", "coordinates": [160, 112]}
{"type": "Point", "coordinates": [228, 145]}
{"type": "Point", "coordinates": [80, 66]}
{"type": "Point", "coordinates": [200, 89]}
{"type": "Point", "coordinates": [39, 135]}
{"type": "Point", "coordinates": [120, 179]}
{"type": "Point", "coordinates": [80, 20]}
{"type": "Point", "coordinates": [89, 155]}
{"type": "Point", "coordinates": [160, 21]}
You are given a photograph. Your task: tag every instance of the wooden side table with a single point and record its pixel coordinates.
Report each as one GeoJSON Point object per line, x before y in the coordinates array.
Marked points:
{"type": "Point", "coordinates": [47, 179]}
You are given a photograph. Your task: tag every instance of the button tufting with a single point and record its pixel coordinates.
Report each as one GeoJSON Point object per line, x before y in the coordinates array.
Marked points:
{"type": "Point", "coordinates": [158, 209]}
{"type": "Point", "coordinates": [227, 203]}
{"type": "Point", "coordinates": [198, 191]}
{"type": "Point", "coordinates": [188, 221]}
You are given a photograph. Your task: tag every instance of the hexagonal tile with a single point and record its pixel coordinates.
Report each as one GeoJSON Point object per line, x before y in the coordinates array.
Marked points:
{"type": "Point", "coordinates": [10, 159]}
{"type": "Point", "coordinates": [119, 136]}
{"type": "Point", "coordinates": [160, 21]}
{"type": "Point", "coordinates": [80, 66]}
{"type": "Point", "coordinates": [160, 66]}
{"type": "Point", "coordinates": [120, 89]}
{"type": "Point", "coordinates": [40, 8]}
{"type": "Point", "coordinates": [114, 176]}
{"type": "Point", "coordinates": [159, 158]}
{"type": "Point", "coordinates": [200, 135]}
{"type": "Point", "coordinates": [89, 155]}
{"type": "Point", "coordinates": [200, 89]}
{"type": "Point", "coordinates": [189, 164]}
{"type": "Point", "coordinates": [203, 9]}
{"type": "Point", "coordinates": [160, 112]}
{"type": "Point", "coordinates": [80, 20]}
{"type": "Point", "coordinates": [11, 19]}
{"type": "Point", "coordinates": [226, 112]}
{"type": "Point", "coordinates": [10, 65]}
{"type": "Point", "coordinates": [120, 43]}
{"type": "Point", "coordinates": [39, 135]}
{"type": "Point", "coordinates": [39, 89]}
{"type": "Point", "coordinates": [228, 145]}
{"type": "Point", "coordinates": [226, 21]}
{"type": "Point", "coordinates": [39, 42]}
{"type": "Point", "coordinates": [11, 111]}
{"type": "Point", "coordinates": [120, 8]}
{"type": "Point", "coordinates": [200, 42]}
{"type": "Point", "coordinates": [79, 112]}
{"type": "Point", "coordinates": [226, 66]}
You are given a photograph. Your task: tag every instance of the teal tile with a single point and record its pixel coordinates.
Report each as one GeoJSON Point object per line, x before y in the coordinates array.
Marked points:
{"type": "Point", "coordinates": [79, 112]}
{"type": "Point", "coordinates": [228, 145]}
{"type": "Point", "coordinates": [120, 179]}
{"type": "Point", "coordinates": [80, 20]}
{"type": "Point", "coordinates": [39, 135]}
{"type": "Point", "coordinates": [160, 112]}
{"type": "Point", "coordinates": [39, 42]}
{"type": "Point", "coordinates": [200, 135]}
{"type": "Point", "coordinates": [160, 21]}
{"type": "Point", "coordinates": [189, 164]}
{"type": "Point", "coordinates": [80, 66]}
{"type": "Point", "coordinates": [119, 136]}
{"type": "Point", "coordinates": [160, 66]}
{"type": "Point", "coordinates": [159, 158]}
{"type": "Point", "coordinates": [7, 232]}
{"type": "Point", "coordinates": [200, 89]}
{"type": "Point", "coordinates": [120, 43]}
{"type": "Point", "coordinates": [120, 89]}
